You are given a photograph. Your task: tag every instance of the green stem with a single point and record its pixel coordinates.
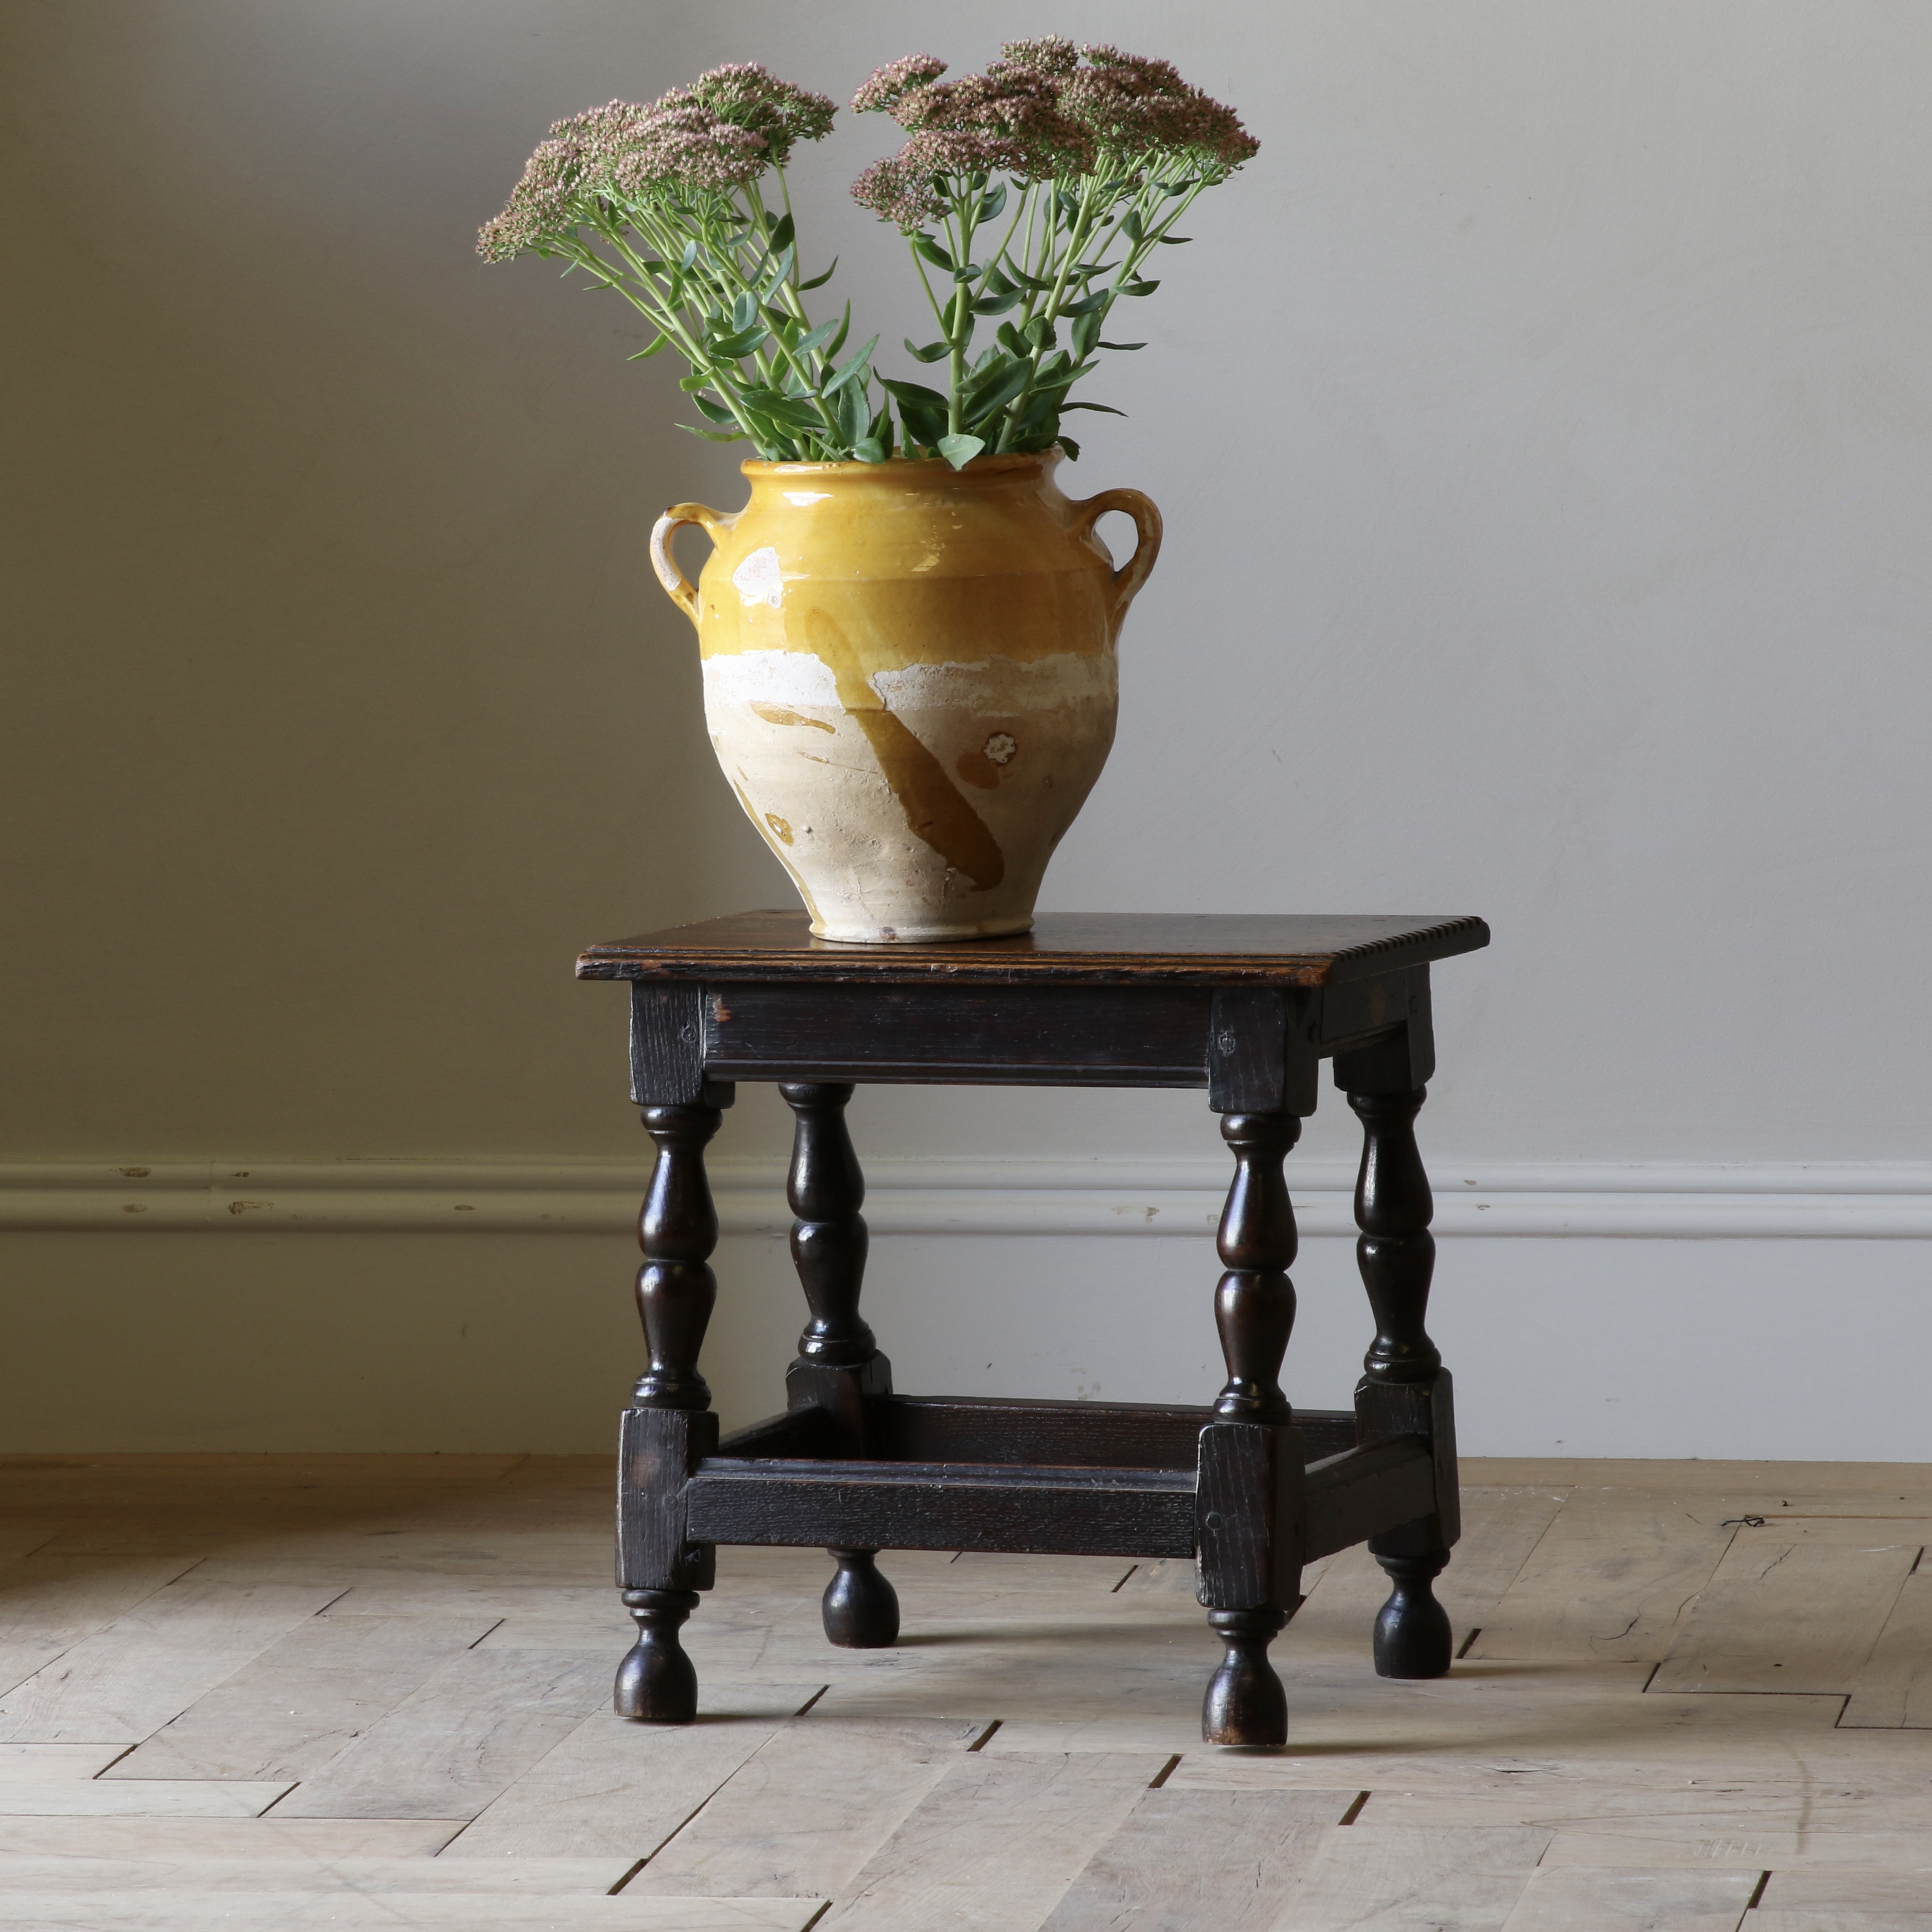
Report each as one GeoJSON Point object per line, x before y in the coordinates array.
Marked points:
{"type": "Point", "coordinates": [959, 337]}
{"type": "Point", "coordinates": [1076, 241]}
{"type": "Point", "coordinates": [718, 376]}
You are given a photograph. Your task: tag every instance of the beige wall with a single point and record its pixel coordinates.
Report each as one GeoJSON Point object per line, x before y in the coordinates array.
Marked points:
{"type": "Point", "coordinates": [1544, 428]}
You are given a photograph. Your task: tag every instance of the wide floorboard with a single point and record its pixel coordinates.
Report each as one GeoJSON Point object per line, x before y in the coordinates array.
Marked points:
{"type": "Point", "coordinates": [277, 1692]}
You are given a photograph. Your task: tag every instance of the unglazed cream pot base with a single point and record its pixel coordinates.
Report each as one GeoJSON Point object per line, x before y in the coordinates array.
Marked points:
{"type": "Point", "coordinates": [890, 820]}
{"type": "Point", "coordinates": [910, 680]}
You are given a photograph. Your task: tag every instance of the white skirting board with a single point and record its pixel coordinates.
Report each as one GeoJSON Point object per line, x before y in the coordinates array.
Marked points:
{"type": "Point", "coordinates": [1825, 1200]}
{"type": "Point", "coordinates": [1756, 1311]}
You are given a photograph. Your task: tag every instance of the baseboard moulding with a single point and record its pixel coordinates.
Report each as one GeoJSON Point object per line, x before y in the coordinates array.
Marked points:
{"type": "Point", "coordinates": [1827, 1201]}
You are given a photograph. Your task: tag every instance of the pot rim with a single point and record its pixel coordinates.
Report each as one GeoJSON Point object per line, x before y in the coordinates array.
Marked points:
{"type": "Point", "coordinates": [900, 466]}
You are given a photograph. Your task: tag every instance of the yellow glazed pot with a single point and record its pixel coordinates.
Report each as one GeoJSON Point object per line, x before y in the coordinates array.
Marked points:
{"type": "Point", "coordinates": [909, 678]}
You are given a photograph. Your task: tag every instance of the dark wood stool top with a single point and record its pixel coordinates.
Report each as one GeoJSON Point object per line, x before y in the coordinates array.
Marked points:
{"type": "Point", "coordinates": [1063, 948]}
{"type": "Point", "coordinates": [1246, 1007]}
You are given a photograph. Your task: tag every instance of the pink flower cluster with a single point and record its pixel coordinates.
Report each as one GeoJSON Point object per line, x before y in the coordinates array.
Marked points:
{"type": "Point", "coordinates": [1007, 120]}
{"type": "Point", "coordinates": [1135, 106]}
{"type": "Point", "coordinates": [722, 131]}
{"type": "Point", "coordinates": [1038, 114]}
{"type": "Point", "coordinates": [748, 97]}
{"type": "Point", "coordinates": [888, 83]}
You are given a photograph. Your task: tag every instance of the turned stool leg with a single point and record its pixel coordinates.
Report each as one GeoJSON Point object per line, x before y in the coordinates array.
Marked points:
{"type": "Point", "coordinates": [1254, 1305]}
{"type": "Point", "coordinates": [1245, 1703]}
{"type": "Point", "coordinates": [668, 1428]}
{"type": "Point", "coordinates": [657, 1683]}
{"type": "Point", "coordinates": [861, 1608]}
{"type": "Point", "coordinates": [1249, 1574]}
{"type": "Point", "coordinates": [839, 1363]}
{"type": "Point", "coordinates": [1396, 1255]}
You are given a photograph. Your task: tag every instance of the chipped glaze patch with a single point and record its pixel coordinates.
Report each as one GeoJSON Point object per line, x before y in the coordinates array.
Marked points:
{"type": "Point", "coordinates": [794, 680]}
{"type": "Point", "coordinates": [759, 580]}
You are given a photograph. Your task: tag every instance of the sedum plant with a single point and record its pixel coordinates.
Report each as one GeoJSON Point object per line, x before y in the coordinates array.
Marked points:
{"type": "Point", "coordinates": [1035, 192]}
{"type": "Point", "coordinates": [665, 205]}
{"type": "Point", "coordinates": [1063, 169]}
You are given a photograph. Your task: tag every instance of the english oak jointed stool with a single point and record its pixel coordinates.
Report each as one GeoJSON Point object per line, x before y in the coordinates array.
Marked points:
{"type": "Point", "coordinates": [1245, 1007]}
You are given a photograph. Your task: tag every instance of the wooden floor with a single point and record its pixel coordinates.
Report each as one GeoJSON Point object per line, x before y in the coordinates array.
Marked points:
{"type": "Point", "coordinates": [283, 1693]}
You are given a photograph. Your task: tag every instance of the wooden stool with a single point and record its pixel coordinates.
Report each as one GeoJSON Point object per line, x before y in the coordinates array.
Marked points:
{"type": "Point", "coordinates": [1245, 1007]}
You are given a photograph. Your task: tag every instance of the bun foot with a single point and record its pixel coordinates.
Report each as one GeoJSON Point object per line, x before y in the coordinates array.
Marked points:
{"type": "Point", "coordinates": [1413, 1638]}
{"type": "Point", "coordinates": [861, 1609]}
{"type": "Point", "coordinates": [1245, 1704]}
{"type": "Point", "coordinates": [657, 1684]}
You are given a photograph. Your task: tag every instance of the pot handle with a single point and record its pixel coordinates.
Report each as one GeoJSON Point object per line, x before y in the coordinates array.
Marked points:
{"type": "Point", "coordinates": [1132, 575]}
{"type": "Point", "coordinates": [714, 523]}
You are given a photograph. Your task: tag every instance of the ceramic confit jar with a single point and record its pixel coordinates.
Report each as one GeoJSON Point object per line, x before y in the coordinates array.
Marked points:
{"type": "Point", "coordinates": [909, 678]}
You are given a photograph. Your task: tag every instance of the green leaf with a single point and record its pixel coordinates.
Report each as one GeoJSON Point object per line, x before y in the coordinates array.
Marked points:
{"type": "Point", "coordinates": [651, 351]}
{"type": "Point", "coordinates": [1087, 305]}
{"type": "Point", "coordinates": [922, 413]}
{"type": "Point", "coordinates": [1041, 414]}
{"type": "Point", "coordinates": [915, 393]}
{"type": "Point", "coordinates": [838, 342]}
{"type": "Point", "coordinates": [781, 233]}
{"type": "Point", "coordinates": [734, 348]}
{"type": "Point", "coordinates": [853, 366]}
{"type": "Point", "coordinates": [1130, 225]}
{"type": "Point", "coordinates": [1085, 332]}
{"type": "Point", "coordinates": [1010, 338]}
{"type": "Point", "coordinates": [812, 338]}
{"type": "Point", "coordinates": [765, 430]}
{"type": "Point", "coordinates": [854, 414]}
{"type": "Point", "coordinates": [996, 304]}
{"type": "Point", "coordinates": [1138, 288]}
{"type": "Point", "coordinates": [1175, 241]}
{"type": "Point", "coordinates": [995, 200]}
{"type": "Point", "coordinates": [1123, 347]}
{"type": "Point", "coordinates": [1100, 408]}
{"type": "Point", "coordinates": [790, 412]}
{"type": "Point", "coordinates": [924, 245]}
{"type": "Point", "coordinates": [992, 391]}
{"type": "Point", "coordinates": [695, 381]}
{"type": "Point", "coordinates": [960, 450]}
{"type": "Point", "coordinates": [744, 313]}
{"type": "Point", "coordinates": [932, 353]}
{"type": "Point", "coordinates": [819, 281]}
{"type": "Point", "coordinates": [712, 435]}
{"type": "Point", "coordinates": [1072, 448]}
{"type": "Point", "coordinates": [871, 449]}
{"type": "Point", "coordinates": [714, 411]}
{"type": "Point", "coordinates": [997, 282]}
{"type": "Point", "coordinates": [780, 269]}
{"type": "Point", "coordinates": [689, 255]}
